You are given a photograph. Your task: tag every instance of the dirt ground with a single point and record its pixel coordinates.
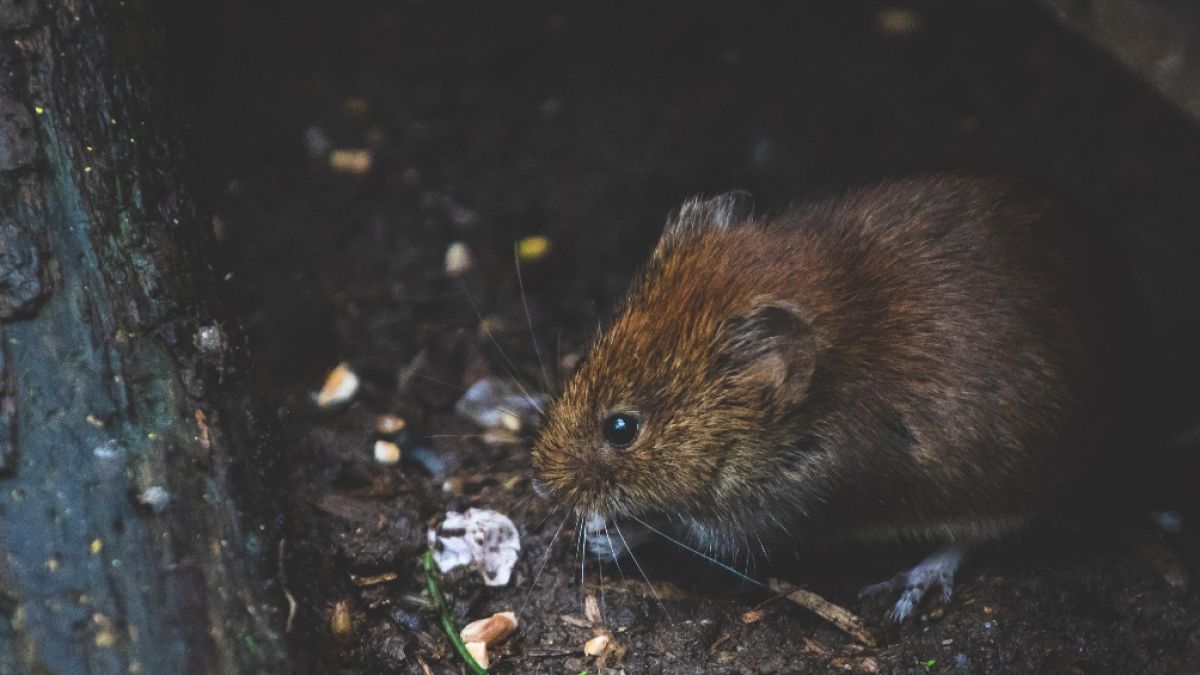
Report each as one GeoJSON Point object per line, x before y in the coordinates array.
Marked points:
{"type": "Point", "coordinates": [586, 124]}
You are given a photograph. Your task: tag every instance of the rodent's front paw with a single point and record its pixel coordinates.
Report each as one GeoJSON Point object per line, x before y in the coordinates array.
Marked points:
{"type": "Point", "coordinates": [938, 569]}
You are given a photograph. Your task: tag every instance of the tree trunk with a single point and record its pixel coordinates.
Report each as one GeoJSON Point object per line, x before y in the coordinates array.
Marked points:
{"type": "Point", "coordinates": [137, 530]}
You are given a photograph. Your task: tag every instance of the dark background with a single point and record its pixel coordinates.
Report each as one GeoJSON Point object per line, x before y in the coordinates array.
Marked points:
{"type": "Point", "coordinates": [587, 123]}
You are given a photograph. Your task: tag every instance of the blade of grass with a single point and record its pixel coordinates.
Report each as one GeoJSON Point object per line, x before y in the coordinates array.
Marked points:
{"type": "Point", "coordinates": [447, 622]}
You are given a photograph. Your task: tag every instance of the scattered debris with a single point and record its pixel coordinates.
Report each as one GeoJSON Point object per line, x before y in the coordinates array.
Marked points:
{"type": "Point", "coordinates": [483, 538]}
{"type": "Point", "coordinates": [458, 259]}
{"type": "Point", "coordinates": [355, 161]}
{"type": "Point", "coordinates": [576, 621]}
{"type": "Point", "coordinates": [845, 620]}
{"type": "Point", "coordinates": [591, 610]}
{"type": "Point", "coordinates": [596, 646]}
{"type": "Point", "coordinates": [478, 651]}
{"type": "Point", "coordinates": [341, 384]}
{"type": "Point", "coordinates": [491, 630]}
{"type": "Point", "coordinates": [156, 497]}
{"type": "Point", "coordinates": [387, 453]}
{"type": "Point", "coordinates": [388, 425]}
{"type": "Point", "coordinates": [753, 616]}
{"type": "Point", "coordinates": [317, 142]}
{"type": "Point", "coordinates": [897, 21]}
{"type": "Point", "coordinates": [374, 579]}
{"type": "Point", "coordinates": [340, 623]}
{"type": "Point", "coordinates": [493, 403]}
{"type": "Point", "coordinates": [533, 248]}
{"type": "Point", "coordinates": [1168, 521]}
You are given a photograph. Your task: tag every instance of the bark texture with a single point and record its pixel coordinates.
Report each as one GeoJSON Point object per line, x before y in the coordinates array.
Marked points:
{"type": "Point", "coordinates": [137, 532]}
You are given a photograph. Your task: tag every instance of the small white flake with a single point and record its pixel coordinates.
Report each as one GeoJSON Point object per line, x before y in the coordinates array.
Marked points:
{"type": "Point", "coordinates": [482, 538]}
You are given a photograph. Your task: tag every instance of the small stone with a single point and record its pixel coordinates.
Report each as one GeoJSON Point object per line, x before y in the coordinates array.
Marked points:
{"type": "Point", "coordinates": [341, 384]}
{"type": "Point", "coordinates": [458, 259]}
{"type": "Point", "coordinates": [387, 453]}
{"type": "Point", "coordinates": [534, 248]}
{"type": "Point", "coordinates": [390, 424]}
{"type": "Point", "coordinates": [156, 497]}
{"type": "Point", "coordinates": [355, 161]}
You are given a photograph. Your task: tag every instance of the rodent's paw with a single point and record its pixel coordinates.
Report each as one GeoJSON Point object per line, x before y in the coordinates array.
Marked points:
{"type": "Point", "coordinates": [938, 569]}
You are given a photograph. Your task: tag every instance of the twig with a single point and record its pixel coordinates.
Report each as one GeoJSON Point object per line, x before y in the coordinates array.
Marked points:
{"type": "Point", "coordinates": [845, 620]}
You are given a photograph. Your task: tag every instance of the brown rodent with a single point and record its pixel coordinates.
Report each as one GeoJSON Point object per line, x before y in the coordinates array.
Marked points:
{"type": "Point", "coordinates": [910, 361]}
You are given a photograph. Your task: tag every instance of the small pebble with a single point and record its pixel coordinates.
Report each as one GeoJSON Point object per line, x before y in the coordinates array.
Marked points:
{"type": "Point", "coordinates": [156, 497]}
{"type": "Point", "coordinates": [341, 384]}
{"type": "Point", "coordinates": [533, 248]}
{"type": "Point", "coordinates": [387, 453]}
{"type": "Point", "coordinates": [355, 161]}
{"type": "Point", "coordinates": [458, 259]}
{"type": "Point", "coordinates": [390, 424]}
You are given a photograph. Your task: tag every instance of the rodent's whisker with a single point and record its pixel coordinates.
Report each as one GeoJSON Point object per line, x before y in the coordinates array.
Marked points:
{"type": "Point", "coordinates": [638, 565]}
{"type": "Point", "coordinates": [512, 369]}
{"type": "Point", "coordinates": [612, 548]}
{"type": "Point", "coordinates": [709, 558]}
{"type": "Point", "coordinates": [545, 559]}
{"type": "Point", "coordinates": [529, 318]}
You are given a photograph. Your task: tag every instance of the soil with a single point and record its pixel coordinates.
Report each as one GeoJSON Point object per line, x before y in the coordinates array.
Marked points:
{"type": "Point", "coordinates": [586, 123]}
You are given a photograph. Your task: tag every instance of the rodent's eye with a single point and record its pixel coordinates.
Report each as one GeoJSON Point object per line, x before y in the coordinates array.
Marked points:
{"type": "Point", "coordinates": [621, 429]}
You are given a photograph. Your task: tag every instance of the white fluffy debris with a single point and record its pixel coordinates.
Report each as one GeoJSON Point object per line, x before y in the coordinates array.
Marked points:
{"type": "Point", "coordinates": [485, 539]}
{"type": "Point", "coordinates": [341, 384]}
{"type": "Point", "coordinates": [493, 403]}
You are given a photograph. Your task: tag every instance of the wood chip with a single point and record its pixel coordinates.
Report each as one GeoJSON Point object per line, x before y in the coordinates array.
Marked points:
{"type": "Point", "coordinates": [845, 620]}
{"type": "Point", "coordinates": [591, 609]}
{"type": "Point", "coordinates": [374, 579]}
{"type": "Point", "coordinates": [578, 622]}
{"type": "Point", "coordinates": [753, 616]}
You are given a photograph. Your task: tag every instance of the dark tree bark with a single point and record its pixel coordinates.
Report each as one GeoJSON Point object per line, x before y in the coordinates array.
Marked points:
{"type": "Point", "coordinates": [137, 531]}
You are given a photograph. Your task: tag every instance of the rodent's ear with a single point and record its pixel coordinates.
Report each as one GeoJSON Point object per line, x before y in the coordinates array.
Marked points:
{"type": "Point", "coordinates": [772, 345]}
{"type": "Point", "coordinates": [698, 215]}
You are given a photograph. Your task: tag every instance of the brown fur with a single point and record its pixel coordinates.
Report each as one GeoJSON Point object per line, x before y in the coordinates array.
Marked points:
{"type": "Point", "coordinates": [907, 361]}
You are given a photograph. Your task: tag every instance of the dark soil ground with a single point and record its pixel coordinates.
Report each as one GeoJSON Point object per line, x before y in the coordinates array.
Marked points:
{"type": "Point", "coordinates": [587, 123]}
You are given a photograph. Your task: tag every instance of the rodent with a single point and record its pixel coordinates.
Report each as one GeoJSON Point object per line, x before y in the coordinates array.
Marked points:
{"type": "Point", "coordinates": [913, 360]}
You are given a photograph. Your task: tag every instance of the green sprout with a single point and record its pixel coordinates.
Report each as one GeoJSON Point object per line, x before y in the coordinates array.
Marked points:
{"type": "Point", "coordinates": [447, 622]}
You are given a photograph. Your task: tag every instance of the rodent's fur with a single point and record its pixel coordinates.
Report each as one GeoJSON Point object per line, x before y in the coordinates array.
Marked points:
{"type": "Point", "coordinates": [912, 360]}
